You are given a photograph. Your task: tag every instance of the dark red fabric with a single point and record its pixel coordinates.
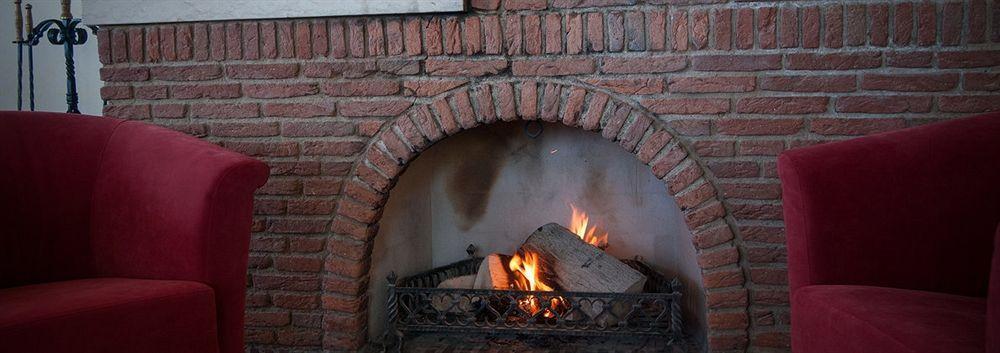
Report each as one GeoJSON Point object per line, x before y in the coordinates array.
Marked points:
{"type": "Point", "coordinates": [109, 315]}
{"type": "Point", "coordinates": [913, 209]}
{"type": "Point", "coordinates": [46, 184]}
{"type": "Point", "coordinates": [169, 206]}
{"type": "Point", "coordinates": [890, 239]}
{"type": "Point", "coordinates": [993, 302]}
{"type": "Point", "coordinates": [125, 199]}
{"type": "Point", "coordinates": [862, 319]}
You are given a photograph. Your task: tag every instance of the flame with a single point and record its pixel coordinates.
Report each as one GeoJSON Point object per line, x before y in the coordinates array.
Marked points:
{"type": "Point", "coordinates": [580, 224]}
{"type": "Point", "coordinates": [529, 268]}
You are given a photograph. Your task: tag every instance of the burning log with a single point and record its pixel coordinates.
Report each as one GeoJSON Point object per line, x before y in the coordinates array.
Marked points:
{"type": "Point", "coordinates": [575, 265]}
{"type": "Point", "coordinates": [493, 273]}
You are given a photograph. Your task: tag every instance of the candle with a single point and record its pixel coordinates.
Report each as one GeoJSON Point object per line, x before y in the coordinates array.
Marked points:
{"type": "Point", "coordinates": [29, 25]}
{"type": "Point", "coordinates": [18, 21]}
{"type": "Point", "coordinates": [65, 10]}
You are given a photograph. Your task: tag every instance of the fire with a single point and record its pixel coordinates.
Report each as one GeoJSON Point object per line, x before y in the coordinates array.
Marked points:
{"type": "Point", "coordinates": [530, 269]}
{"type": "Point", "coordinates": [527, 269]}
{"type": "Point", "coordinates": [530, 279]}
{"type": "Point", "coordinates": [580, 224]}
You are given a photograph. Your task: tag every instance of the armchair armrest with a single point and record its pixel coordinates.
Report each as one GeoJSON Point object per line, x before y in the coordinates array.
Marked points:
{"type": "Point", "coordinates": [170, 206]}
{"type": "Point", "coordinates": [913, 209]}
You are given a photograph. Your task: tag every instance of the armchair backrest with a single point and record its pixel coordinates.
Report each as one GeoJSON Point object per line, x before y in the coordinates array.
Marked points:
{"type": "Point", "coordinates": [913, 209]}
{"type": "Point", "coordinates": [48, 165]}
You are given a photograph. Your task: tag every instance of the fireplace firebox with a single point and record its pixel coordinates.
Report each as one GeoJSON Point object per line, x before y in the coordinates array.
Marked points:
{"type": "Point", "coordinates": [416, 305]}
{"type": "Point", "coordinates": [613, 264]}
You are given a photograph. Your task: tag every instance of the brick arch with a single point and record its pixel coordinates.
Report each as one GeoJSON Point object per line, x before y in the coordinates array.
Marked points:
{"type": "Point", "coordinates": [638, 131]}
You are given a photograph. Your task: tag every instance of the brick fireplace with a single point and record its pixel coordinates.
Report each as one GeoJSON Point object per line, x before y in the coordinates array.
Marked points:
{"type": "Point", "coordinates": [705, 92]}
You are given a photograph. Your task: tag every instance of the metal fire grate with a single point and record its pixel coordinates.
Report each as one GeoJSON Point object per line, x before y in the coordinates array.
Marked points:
{"type": "Point", "coordinates": [415, 305]}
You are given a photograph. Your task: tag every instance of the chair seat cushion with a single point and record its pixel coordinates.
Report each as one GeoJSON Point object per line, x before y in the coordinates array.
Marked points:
{"type": "Point", "coordinates": [828, 318]}
{"type": "Point", "coordinates": [109, 315]}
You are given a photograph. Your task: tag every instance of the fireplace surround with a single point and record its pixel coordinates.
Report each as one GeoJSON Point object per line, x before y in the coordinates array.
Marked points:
{"type": "Point", "coordinates": [706, 92]}
{"type": "Point", "coordinates": [623, 123]}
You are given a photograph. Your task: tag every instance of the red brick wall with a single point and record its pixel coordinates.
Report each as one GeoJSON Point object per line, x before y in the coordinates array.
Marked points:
{"type": "Point", "coordinates": [707, 92]}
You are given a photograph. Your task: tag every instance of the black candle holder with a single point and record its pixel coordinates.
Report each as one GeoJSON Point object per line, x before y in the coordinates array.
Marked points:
{"type": "Point", "coordinates": [64, 31]}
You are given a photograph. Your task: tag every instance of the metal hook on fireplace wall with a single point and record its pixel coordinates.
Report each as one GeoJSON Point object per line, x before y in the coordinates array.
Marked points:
{"type": "Point", "coordinates": [471, 250]}
{"type": "Point", "coordinates": [533, 128]}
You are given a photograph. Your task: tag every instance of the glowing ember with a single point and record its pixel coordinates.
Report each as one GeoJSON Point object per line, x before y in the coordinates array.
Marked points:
{"type": "Point", "coordinates": [530, 279]}
{"type": "Point", "coordinates": [579, 224]}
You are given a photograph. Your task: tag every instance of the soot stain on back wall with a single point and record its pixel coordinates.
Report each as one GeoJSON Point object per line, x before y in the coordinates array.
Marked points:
{"type": "Point", "coordinates": [489, 149]}
{"type": "Point", "coordinates": [470, 182]}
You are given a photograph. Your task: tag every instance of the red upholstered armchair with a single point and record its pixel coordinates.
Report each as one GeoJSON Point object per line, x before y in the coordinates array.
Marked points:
{"type": "Point", "coordinates": [890, 240]}
{"type": "Point", "coordinates": [118, 236]}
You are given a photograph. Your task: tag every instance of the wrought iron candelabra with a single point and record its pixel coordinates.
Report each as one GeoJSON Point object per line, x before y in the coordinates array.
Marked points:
{"type": "Point", "coordinates": [62, 31]}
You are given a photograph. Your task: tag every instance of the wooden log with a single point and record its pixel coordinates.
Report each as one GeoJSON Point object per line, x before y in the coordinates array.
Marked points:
{"type": "Point", "coordinates": [450, 302]}
{"type": "Point", "coordinates": [493, 273]}
{"type": "Point", "coordinates": [577, 266]}
{"type": "Point", "coordinates": [460, 282]}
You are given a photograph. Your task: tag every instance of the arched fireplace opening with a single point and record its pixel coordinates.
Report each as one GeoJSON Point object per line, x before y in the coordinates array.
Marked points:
{"type": "Point", "coordinates": [492, 186]}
